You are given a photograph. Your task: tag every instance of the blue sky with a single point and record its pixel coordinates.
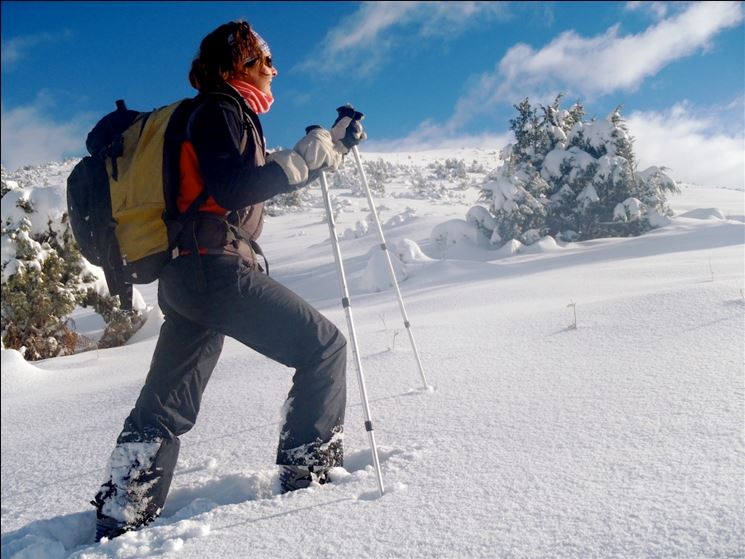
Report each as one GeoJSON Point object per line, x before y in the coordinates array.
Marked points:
{"type": "Point", "coordinates": [427, 74]}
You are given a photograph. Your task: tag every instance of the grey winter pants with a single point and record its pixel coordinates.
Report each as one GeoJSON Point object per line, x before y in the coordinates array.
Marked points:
{"type": "Point", "coordinates": [241, 302]}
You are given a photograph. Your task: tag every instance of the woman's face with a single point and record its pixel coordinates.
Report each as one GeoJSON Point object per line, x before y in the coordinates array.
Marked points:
{"type": "Point", "coordinates": [260, 74]}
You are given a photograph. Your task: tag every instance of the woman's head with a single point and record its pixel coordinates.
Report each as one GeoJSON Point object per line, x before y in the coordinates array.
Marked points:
{"type": "Point", "coordinates": [231, 51]}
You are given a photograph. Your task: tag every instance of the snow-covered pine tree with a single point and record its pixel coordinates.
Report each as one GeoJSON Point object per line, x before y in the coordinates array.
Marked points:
{"type": "Point", "coordinates": [44, 276]}
{"type": "Point", "coordinates": [38, 292]}
{"type": "Point", "coordinates": [516, 192]}
{"type": "Point", "coordinates": [572, 179]}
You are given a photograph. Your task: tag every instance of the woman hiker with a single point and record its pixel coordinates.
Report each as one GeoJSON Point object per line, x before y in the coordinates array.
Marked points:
{"type": "Point", "coordinates": [217, 288]}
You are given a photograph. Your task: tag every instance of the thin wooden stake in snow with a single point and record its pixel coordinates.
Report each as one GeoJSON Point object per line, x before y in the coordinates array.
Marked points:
{"type": "Point", "coordinates": [573, 325]}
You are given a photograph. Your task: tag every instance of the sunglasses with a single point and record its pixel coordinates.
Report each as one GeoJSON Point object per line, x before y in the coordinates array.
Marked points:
{"type": "Point", "coordinates": [265, 60]}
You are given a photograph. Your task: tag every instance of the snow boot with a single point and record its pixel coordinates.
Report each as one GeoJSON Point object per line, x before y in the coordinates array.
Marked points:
{"type": "Point", "coordinates": [110, 527]}
{"type": "Point", "coordinates": [292, 478]}
{"type": "Point", "coordinates": [107, 527]}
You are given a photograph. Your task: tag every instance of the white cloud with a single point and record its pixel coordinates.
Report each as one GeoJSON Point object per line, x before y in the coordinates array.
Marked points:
{"type": "Point", "coordinates": [15, 49]}
{"type": "Point", "coordinates": [585, 67]}
{"type": "Point", "coordinates": [657, 9]}
{"type": "Point", "coordinates": [363, 39]}
{"type": "Point", "coordinates": [691, 145]}
{"type": "Point", "coordinates": [29, 137]}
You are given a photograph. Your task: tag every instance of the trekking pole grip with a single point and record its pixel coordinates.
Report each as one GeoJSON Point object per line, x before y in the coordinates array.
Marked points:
{"type": "Point", "coordinates": [352, 132]}
{"type": "Point", "coordinates": [348, 110]}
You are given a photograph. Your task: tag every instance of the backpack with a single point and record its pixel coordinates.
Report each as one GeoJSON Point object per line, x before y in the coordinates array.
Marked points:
{"type": "Point", "coordinates": [122, 198]}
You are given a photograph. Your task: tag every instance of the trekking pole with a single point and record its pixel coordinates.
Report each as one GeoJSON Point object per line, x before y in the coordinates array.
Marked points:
{"type": "Point", "coordinates": [350, 112]}
{"type": "Point", "coordinates": [350, 324]}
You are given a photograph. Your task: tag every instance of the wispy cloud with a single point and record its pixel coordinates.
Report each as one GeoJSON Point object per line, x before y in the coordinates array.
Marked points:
{"type": "Point", "coordinates": [30, 137]}
{"type": "Point", "coordinates": [15, 49]}
{"type": "Point", "coordinates": [588, 67]}
{"type": "Point", "coordinates": [363, 39]}
{"type": "Point", "coordinates": [658, 9]}
{"type": "Point", "coordinates": [692, 143]}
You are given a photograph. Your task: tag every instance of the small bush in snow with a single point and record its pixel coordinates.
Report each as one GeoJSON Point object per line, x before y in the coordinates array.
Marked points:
{"type": "Point", "coordinates": [377, 173]}
{"type": "Point", "coordinates": [426, 187]}
{"type": "Point", "coordinates": [439, 181]}
{"type": "Point", "coordinates": [295, 201]}
{"type": "Point", "coordinates": [38, 291]}
{"type": "Point", "coordinates": [476, 168]}
{"type": "Point", "coordinates": [44, 276]}
{"type": "Point", "coordinates": [572, 179]}
{"type": "Point", "coordinates": [450, 170]}
{"type": "Point", "coordinates": [452, 232]}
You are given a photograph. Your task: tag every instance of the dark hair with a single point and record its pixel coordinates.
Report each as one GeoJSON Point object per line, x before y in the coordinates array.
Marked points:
{"type": "Point", "coordinates": [221, 53]}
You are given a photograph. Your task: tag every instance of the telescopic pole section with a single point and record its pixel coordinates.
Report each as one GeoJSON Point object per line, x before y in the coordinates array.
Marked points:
{"type": "Point", "coordinates": [352, 334]}
{"type": "Point", "coordinates": [391, 271]}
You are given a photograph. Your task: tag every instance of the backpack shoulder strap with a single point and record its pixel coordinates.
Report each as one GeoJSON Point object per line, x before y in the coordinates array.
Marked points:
{"type": "Point", "coordinates": [245, 120]}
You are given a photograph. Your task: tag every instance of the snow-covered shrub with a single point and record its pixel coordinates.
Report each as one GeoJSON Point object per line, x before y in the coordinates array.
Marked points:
{"type": "Point", "coordinates": [376, 276]}
{"type": "Point", "coordinates": [361, 228]}
{"type": "Point", "coordinates": [476, 168]}
{"type": "Point", "coordinates": [438, 181]}
{"type": "Point", "coordinates": [409, 214]}
{"type": "Point", "coordinates": [337, 206]}
{"type": "Point", "coordinates": [409, 252]}
{"type": "Point", "coordinates": [424, 187]}
{"type": "Point", "coordinates": [38, 292]}
{"type": "Point", "coordinates": [428, 188]}
{"type": "Point", "coordinates": [377, 172]}
{"type": "Point", "coordinates": [295, 201]}
{"type": "Point", "coordinates": [44, 276]}
{"type": "Point", "coordinates": [572, 179]}
{"type": "Point", "coordinates": [452, 232]}
{"type": "Point", "coordinates": [482, 219]}
{"type": "Point", "coordinates": [450, 170]}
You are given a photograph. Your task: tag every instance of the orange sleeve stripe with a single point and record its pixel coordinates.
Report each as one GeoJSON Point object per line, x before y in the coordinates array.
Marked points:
{"type": "Point", "coordinates": [192, 184]}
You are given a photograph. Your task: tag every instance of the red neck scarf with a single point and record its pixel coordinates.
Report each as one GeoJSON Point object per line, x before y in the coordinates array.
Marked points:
{"type": "Point", "coordinates": [256, 99]}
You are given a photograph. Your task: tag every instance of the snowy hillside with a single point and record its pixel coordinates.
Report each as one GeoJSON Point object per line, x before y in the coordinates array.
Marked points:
{"type": "Point", "coordinates": [587, 397]}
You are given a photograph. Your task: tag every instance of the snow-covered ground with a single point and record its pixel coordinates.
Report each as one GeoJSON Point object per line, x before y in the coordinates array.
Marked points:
{"type": "Point", "coordinates": [622, 437]}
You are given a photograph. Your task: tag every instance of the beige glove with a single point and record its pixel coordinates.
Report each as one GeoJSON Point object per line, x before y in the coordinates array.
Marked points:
{"type": "Point", "coordinates": [317, 150]}
{"type": "Point", "coordinates": [292, 164]}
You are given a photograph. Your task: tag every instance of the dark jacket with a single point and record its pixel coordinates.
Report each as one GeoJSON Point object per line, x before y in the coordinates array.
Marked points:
{"type": "Point", "coordinates": [237, 180]}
